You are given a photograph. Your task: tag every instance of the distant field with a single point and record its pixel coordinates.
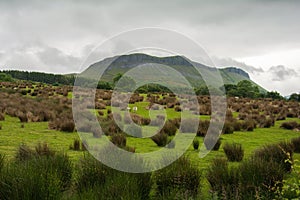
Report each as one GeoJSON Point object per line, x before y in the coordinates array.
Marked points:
{"type": "Point", "coordinates": [12, 135]}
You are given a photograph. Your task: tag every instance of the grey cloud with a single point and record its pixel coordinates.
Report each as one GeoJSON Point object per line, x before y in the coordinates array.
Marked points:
{"type": "Point", "coordinates": [281, 73]}
{"type": "Point", "coordinates": [227, 62]}
{"type": "Point", "coordinates": [39, 57]}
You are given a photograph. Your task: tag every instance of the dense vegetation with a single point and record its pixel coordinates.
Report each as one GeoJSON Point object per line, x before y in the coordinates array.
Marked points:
{"type": "Point", "coordinates": [38, 172]}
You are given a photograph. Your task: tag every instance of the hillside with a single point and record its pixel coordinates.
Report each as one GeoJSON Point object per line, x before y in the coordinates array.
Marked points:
{"type": "Point", "coordinates": [124, 63]}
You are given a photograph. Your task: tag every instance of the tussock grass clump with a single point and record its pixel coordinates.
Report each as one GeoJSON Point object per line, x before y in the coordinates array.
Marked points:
{"type": "Point", "coordinates": [281, 153]}
{"type": "Point", "coordinates": [260, 176]}
{"type": "Point", "coordinates": [249, 125]}
{"type": "Point", "coordinates": [203, 127]}
{"type": "Point", "coordinates": [37, 177]}
{"type": "Point", "coordinates": [169, 128]}
{"type": "Point", "coordinates": [224, 181]}
{"type": "Point", "coordinates": [196, 144]}
{"type": "Point", "coordinates": [161, 139]}
{"type": "Point", "coordinates": [119, 139]}
{"type": "Point", "coordinates": [228, 128]}
{"type": "Point", "coordinates": [234, 152]}
{"type": "Point", "coordinates": [290, 125]}
{"type": "Point", "coordinates": [180, 178]}
{"type": "Point", "coordinates": [96, 181]}
{"type": "Point", "coordinates": [252, 178]}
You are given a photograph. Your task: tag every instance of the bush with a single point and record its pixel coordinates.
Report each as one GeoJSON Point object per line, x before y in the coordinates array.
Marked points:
{"type": "Point", "coordinates": [290, 125]}
{"type": "Point", "coordinates": [196, 144]}
{"type": "Point", "coordinates": [259, 175]}
{"type": "Point", "coordinates": [278, 153]}
{"type": "Point", "coordinates": [97, 181]}
{"type": "Point", "coordinates": [234, 152]}
{"type": "Point", "coordinates": [249, 125]}
{"type": "Point", "coordinates": [296, 144]}
{"type": "Point", "coordinates": [119, 139]}
{"type": "Point", "coordinates": [179, 178]}
{"type": "Point", "coordinates": [203, 128]}
{"type": "Point", "coordinates": [161, 139]}
{"type": "Point", "coordinates": [67, 126]}
{"type": "Point", "coordinates": [169, 128]}
{"type": "Point", "coordinates": [228, 128]}
{"type": "Point", "coordinates": [223, 181]}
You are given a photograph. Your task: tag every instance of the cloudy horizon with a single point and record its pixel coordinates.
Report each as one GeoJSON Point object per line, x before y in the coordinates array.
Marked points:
{"type": "Point", "coordinates": [261, 37]}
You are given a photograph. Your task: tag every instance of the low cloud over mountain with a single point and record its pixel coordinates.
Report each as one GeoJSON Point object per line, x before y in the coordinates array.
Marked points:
{"type": "Point", "coordinates": [281, 73]}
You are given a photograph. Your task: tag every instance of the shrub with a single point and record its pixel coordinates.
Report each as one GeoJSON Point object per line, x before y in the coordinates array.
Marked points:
{"type": "Point", "coordinates": [267, 123]}
{"type": "Point", "coordinates": [203, 128]}
{"type": "Point", "coordinates": [67, 126]}
{"type": "Point", "coordinates": [249, 125]}
{"type": "Point", "coordinates": [296, 144]}
{"type": "Point", "coordinates": [118, 139]}
{"type": "Point", "coordinates": [237, 126]}
{"type": "Point", "coordinates": [234, 152]}
{"type": "Point", "coordinates": [228, 128]}
{"type": "Point", "coordinates": [223, 181]}
{"type": "Point", "coordinates": [260, 176]}
{"type": "Point", "coordinates": [97, 181]}
{"type": "Point", "coordinates": [161, 139]}
{"type": "Point", "coordinates": [209, 141]}
{"type": "Point", "coordinates": [290, 125]}
{"type": "Point", "coordinates": [23, 117]}
{"type": "Point", "coordinates": [196, 144]}
{"type": "Point", "coordinates": [179, 178]}
{"type": "Point", "coordinates": [169, 128]}
{"type": "Point", "coordinates": [278, 153]}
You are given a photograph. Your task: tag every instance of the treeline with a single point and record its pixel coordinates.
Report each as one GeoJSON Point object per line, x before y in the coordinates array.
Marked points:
{"type": "Point", "coordinates": [53, 79]}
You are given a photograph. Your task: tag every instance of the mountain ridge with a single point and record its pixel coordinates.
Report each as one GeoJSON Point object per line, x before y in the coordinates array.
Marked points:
{"type": "Point", "coordinates": [123, 63]}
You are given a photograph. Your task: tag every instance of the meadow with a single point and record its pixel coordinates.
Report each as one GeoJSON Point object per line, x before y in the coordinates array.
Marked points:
{"type": "Point", "coordinates": [30, 119]}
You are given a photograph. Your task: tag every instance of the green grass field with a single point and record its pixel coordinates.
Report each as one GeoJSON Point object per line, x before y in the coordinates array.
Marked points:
{"type": "Point", "coordinates": [12, 135]}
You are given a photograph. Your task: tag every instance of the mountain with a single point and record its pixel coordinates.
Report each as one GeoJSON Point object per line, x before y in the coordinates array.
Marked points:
{"type": "Point", "coordinates": [110, 67]}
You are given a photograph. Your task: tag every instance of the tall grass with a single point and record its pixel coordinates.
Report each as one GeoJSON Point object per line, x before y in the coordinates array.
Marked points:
{"type": "Point", "coordinates": [181, 178]}
{"type": "Point", "coordinates": [36, 177]}
{"type": "Point", "coordinates": [101, 182]}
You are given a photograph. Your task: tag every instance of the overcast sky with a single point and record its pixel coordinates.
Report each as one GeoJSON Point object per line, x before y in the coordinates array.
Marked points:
{"type": "Point", "coordinates": [262, 37]}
